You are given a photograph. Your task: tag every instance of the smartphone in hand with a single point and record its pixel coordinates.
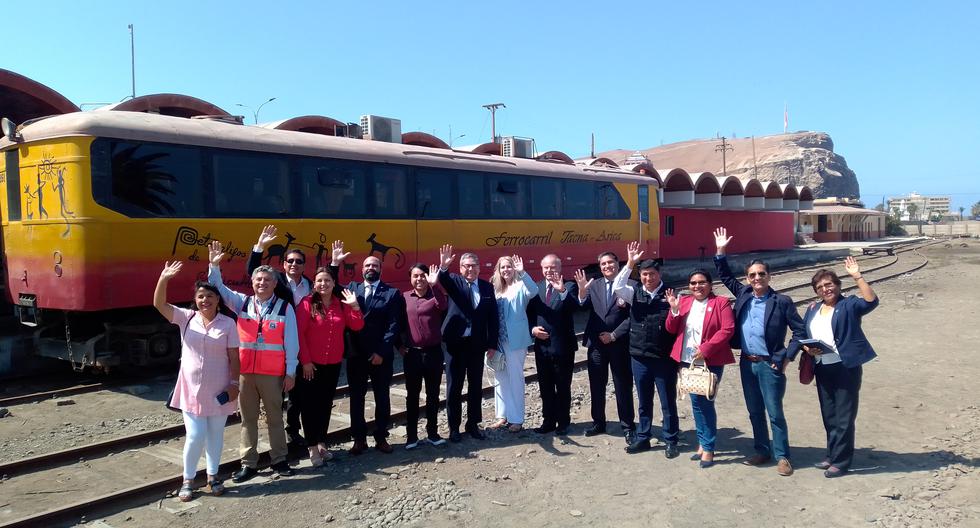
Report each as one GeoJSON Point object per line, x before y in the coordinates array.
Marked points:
{"type": "Point", "coordinates": [223, 398]}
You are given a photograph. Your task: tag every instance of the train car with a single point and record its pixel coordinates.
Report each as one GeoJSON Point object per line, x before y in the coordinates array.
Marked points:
{"type": "Point", "coordinates": [93, 203]}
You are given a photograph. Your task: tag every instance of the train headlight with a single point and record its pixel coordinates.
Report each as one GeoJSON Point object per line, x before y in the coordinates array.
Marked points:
{"type": "Point", "coordinates": [9, 129]}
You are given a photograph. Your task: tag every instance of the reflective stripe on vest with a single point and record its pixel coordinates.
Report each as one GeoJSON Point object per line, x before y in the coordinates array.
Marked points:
{"type": "Point", "coordinates": [263, 352]}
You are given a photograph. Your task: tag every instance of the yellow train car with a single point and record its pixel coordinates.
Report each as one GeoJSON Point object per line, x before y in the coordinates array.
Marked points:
{"type": "Point", "coordinates": [93, 203]}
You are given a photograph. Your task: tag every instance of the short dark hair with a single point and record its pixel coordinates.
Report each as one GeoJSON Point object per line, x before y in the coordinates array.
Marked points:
{"type": "Point", "coordinates": [222, 307]}
{"type": "Point", "coordinates": [419, 266]}
{"type": "Point", "coordinates": [754, 262]}
{"type": "Point", "coordinates": [822, 274]}
{"type": "Point", "coordinates": [608, 254]}
{"type": "Point", "coordinates": [650, 264]}
{"type": "Point", "coordinates": [297, 251]}
{"type": "Point", "coordinates": [700, 271]}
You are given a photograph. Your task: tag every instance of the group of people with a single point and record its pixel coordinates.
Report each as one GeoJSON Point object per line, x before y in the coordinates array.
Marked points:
{"type": "Point", "coordinates": [292, 334]}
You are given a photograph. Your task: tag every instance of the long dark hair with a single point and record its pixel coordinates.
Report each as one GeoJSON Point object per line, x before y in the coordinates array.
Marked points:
{"type": "Point", "coordinates": [222, 307]}
{"type": "Point", "coordinates": [317, 299]}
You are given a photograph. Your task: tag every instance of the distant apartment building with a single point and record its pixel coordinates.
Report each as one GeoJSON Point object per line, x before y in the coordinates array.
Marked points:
{"type": "Point", "coordinates": [925, 207]}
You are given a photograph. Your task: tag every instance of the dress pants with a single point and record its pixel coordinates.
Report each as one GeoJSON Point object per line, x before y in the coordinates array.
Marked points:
{"type": "Point", "coordinates": [603, 358]}
{"type": "Point", "coordinates": [359, 370]}
{"type": "Point", "coordinates": [464, 364]}
{"type": "Point", "coordinates": [763, 389]}
{"type": "Point", "coordinates": [509, 392]}
{"type": "Point", "coordinates": [656, 375]}
{"type": "Point", "coordinates": [294, 406]}
{"type": "Point", "coordinates": [256, 388]}
{"type": "Point", "coordinates": [423, 364]}
{"type": "Point", "coordinates": [315, 400]}
{"type": "Point", "coordinates": [837, 389]}
{"type": "Point", "coordinates": [555, 380]}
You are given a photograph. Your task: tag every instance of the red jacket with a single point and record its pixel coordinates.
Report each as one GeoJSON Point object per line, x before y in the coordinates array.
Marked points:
{"type": "Point", "coordinates": [717, 329]}
{"type": "Point", "coordinates": [321, 339]}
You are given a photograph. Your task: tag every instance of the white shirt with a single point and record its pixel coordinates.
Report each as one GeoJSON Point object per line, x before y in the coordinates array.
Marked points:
{"type": "Point", "coordinates": [692, 330]}
{"type": "Point", "coordinates": [821, 329]}
{"type": "Point", "coordinates": [300, 289]}
{"type": "Point", "coordinates": [623, 290]}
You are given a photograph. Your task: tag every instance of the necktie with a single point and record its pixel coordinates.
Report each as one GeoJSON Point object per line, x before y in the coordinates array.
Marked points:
{"type": "Point", "coordinates": [608, 292]}
{"type": "Point", "coordinates": [476, 294]}
{"type": "Point", "coordinates": [368, 291]}
{"type": "Point", "coordinates": [547, 295]}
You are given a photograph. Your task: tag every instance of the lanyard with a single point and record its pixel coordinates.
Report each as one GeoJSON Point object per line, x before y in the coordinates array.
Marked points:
{"type": "Point", "coordinates": [262, 314]}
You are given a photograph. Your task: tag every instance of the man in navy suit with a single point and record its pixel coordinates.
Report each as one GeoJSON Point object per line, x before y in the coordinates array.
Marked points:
{"type": "Point", "coordinates": [549, 314]}
{"type": "Point", "coordinates": [607, 338]}
{"type": "Point", "coordinates": [762, 316]}
{"type": "Point", "coordinates": [373, 352]}
{"type": "Point", "coordinates": [470, 331]}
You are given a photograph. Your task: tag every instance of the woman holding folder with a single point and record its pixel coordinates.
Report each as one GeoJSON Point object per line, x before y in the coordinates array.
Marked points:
{"type": "Point", "coordinates": [839, 350]}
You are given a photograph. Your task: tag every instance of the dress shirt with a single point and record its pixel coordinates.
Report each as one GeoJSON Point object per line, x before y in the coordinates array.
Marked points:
{"type": "Point", "coordinates": [753, 326]}
{"type": "Point", "coordinates": [692, 329]}
{"type": "Point", "coordinates": [369, 289]}
{"type": "Point", "coordinates": [624, 291]}
{"type": "Point", "coordinates": [475, 294]}
{"type": "Point", "coordinates": [300, 289]}
{"type": "Point", "coordinates": [821, 329]}
{"type": "Point", "coordinates": [236, 300]}
{"type": "Point", "coordinates": [425, 316]}
{"type": "Point", "coordinates": [608, 286]}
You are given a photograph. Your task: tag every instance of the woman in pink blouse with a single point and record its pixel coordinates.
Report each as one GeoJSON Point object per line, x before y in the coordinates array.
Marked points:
{"type": "Point", "coordinates": [207, 385]}
{"type": "Point", "coordinates": [321, 319]}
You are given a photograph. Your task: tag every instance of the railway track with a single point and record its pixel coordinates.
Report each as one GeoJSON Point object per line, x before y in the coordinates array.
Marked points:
{"type": "Point", "coordinates": [162, 479]}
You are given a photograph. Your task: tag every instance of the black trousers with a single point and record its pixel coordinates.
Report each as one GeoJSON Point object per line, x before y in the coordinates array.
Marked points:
{"type": "Point", "coordinates": [293, 405]}
{"type": "Point", "coordinates": [359, 371]}
{"type": "Point", "coordinates": [423, 364]}
{"type": "Point", "coordinates": [464, 363]}
{"type": "Point", "coordinates": [837, 389]}
{"type": "Point", "coordinates": [655, 375]}
{"type": "Point", "coordinates": [603, 358]}
{"type": "Point", "coordinates": [315, 399]}
{"type": "Point", "coordinates": [555, 381]}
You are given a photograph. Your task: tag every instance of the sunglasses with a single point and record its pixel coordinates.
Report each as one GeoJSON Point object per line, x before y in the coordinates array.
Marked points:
{"type": "Point", "coordinates": [295, 261]}
{"type": "Point", "coordinates": [759, 274]}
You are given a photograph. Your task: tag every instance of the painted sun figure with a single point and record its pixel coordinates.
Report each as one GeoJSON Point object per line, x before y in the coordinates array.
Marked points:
{"type": "Point", "coordinates": [46, 168]}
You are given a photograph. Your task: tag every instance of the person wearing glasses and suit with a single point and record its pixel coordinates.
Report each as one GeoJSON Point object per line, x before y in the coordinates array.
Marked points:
{"type": "Point", "coordinates": [762, 316]}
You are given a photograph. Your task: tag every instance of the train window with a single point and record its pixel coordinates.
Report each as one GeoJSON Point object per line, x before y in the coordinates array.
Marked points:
{"type": "Point", "coordinates": [148, 180]}
{"type": "Point", "coordinates": [12, 175]}
{"type": "Point", "coordinates": [333, 189]}
{"type": "Point", "coordinates": [508, 196]}
{"type": "Point", "coordinates": [251, 185]}
{"type": "Point", "coordinates": [390, 192]}
{"type": "Point", "coordinates": [643, 196]}
{"type": "Point", "coordinates": [609, 203]}
{"type": "Point", "coordinates": [546, 198]}
{"type": "Point", "coordinates": [669, 225]}
{"type": "Point", "coordinates": [579, 199]}
{"type": "Point", "coordinates": [433, 194]}
{"type": "Point", "coordinates": [472, 195]}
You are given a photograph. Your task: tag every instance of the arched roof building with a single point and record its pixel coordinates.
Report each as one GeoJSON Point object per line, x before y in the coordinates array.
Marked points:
{"type": "Point", "coordinates": [22, 99]}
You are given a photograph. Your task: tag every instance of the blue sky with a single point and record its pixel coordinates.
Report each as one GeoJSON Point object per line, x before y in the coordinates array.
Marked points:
{"type": "Point", "coordinates": [895, 85]}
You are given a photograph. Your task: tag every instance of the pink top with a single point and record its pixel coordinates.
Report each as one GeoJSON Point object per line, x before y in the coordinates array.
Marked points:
{"type": "Point", "coordinates": [204, 369]}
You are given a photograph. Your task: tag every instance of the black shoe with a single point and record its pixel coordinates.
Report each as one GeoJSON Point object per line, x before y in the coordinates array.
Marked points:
{"type": "Point", "coordinates": [595, 430]}
{"type": "Point", "coordinates": [834, 472]}
{"type": "Point", "coordinates": [294, 439]}
{"type": "Point", "coordinates": [436, 440]}
{"type": "Point", "coordinates": [246, 473]}
{"type": "Point", "coordinates": [455, 437]}
{"type": "Point", "coordinates": [638, 446]}
{"type": "Point", "coordinates": [282, 469]}
{"type": "Point", "coordinates": [671, 451]}
{"type": "Point", "coordinates": [561, 430]}
{"type": "Point", "coordinates": [475, 433]}
{"type": "Point", "coordinates": [630, 435]}
{"type": "Point", "coordinates": [823, 464]}
{"type": "Point", "coordinates": [705, 464]}
{"type": "Point", "coordinates": [544, 429]}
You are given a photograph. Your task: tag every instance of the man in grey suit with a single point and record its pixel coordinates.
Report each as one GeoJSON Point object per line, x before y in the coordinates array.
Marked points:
{"type": "Point", "coordinates": [607, 338]}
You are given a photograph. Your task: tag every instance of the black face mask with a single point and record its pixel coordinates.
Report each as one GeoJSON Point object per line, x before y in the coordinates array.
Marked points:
{"type": "Point", "coordinates": [371, 275]}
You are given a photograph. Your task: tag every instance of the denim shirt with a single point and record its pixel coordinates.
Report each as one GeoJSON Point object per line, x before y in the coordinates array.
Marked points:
{"type": "Point", "coordinates": [752, 326]}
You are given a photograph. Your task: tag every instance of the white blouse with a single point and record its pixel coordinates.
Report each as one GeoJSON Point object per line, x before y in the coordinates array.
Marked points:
{"type": "Point", "coordinates": [692, 329]}
{"type": "Point", "coordinates": [821, 329]}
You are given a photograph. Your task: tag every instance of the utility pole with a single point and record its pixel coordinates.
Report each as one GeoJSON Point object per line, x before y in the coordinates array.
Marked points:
{"type": "Point", "coordinates": [132, 57]}
{"type": "Point", "coordinates": [492, 107]}
{"type": "Point", "coordinates": [755, 166]}
{"type": "Point", "coordinates": [724, 147]}
{"type": "Point", "coordinates": [592, 151]}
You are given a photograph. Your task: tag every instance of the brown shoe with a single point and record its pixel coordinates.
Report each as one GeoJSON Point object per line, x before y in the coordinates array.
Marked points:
{"type": "Point", "coordinates": [757, 460]}
{"type": "Point", "coordinates": [359, 447]}
{"type": "Point", "coordinates": [383, 446]}
{"type": "Point", "coordinates": [784, 468]}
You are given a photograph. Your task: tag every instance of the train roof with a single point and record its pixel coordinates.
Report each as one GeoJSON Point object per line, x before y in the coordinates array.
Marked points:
{"type": "Point", "coordinates": [141, 126]}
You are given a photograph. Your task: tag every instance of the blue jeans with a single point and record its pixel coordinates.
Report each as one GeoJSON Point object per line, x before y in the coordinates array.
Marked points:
{"type": "Point", "coordinates": [653, 375]}
{"type": "Point", "coordinates": [764, 388]}
{"type": "Point", "coordinates": [705, 417]}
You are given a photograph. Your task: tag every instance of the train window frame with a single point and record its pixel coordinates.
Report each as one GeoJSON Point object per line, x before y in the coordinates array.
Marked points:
{"type": "Point", "coordinates": [12, 176]}
{"type": "Point", "coordinates": [441, 179]}
{"type": "Point", "coordinates": [311, 171]}
{"type": "Point", "coordinates": [643, 200]}
{"type": "Point", "coordinates": [405, 186]}
{"type": "Point", "coordinates": [463, 212]}
{"type": "Point", "coordinates": [508, 191]}
{"type": "Point", "coordinates": [606, 193]}
{"type": "Point", "coordinates": [586, 206]}
{"type": "Point", "coordinates": [668, 225]}
{"type": "Point", "coordinates": [557, 195]}
{"type": "Point", "coordinates": [243, 206]}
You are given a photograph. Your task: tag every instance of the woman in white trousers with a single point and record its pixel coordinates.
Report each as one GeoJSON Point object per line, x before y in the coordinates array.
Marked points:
{"type": "Point", "coordinates": [513, 289]}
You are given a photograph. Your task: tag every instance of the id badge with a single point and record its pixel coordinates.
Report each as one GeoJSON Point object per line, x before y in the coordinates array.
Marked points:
{"type": "Point", "coordinates": [260, 339]}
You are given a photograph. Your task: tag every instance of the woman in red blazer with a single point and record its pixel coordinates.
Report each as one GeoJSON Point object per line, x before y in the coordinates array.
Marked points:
{"type": "Point", "coordinates": [703, 323]}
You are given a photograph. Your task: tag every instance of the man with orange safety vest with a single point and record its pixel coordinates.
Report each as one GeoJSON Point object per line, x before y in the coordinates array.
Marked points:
{"type": "Point", "coordinates": [268, 353]}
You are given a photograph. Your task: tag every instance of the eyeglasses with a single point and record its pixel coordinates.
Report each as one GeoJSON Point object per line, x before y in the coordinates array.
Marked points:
{"type": "Point", "coordinates": [295, 261]}
{"type": "Point", "coordinates": [698, 283]}
{"type": "Point", "coordinates": [759, 274]}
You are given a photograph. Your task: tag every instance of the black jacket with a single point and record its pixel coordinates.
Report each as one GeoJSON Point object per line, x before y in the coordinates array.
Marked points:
{"type": "Point", "coordinates": [556, 318]}
{"type": "Point", "coordinates": [648, 331]}
{"type": "Point", "coordinates": [482, 319]}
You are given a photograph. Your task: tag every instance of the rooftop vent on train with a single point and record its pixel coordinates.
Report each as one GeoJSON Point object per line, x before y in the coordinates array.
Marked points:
{"type": "Point", "coordinates": [379, 128]}
{"type": "Point", "coordinates": [515, 147]}
{"type": "Point", "coordinates": [229, 119]}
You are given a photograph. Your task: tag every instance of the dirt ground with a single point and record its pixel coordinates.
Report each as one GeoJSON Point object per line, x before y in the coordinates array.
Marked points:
{"type": "Point", "coordinates": [916, 463]}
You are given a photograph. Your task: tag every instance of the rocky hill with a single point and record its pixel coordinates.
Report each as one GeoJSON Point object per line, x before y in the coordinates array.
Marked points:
{"type": "Point", "coordinates": [801, 158]}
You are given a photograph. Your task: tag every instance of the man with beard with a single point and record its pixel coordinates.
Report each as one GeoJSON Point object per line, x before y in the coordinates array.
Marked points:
{"type": "Point", "coordinates": [373, 351]}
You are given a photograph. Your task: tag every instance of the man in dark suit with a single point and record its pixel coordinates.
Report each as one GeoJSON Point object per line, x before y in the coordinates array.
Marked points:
{"type": "Point", "coordinates": [292, 285]}
{"type": "Point", "coordinates": [762, 316]}
{"type": "Point", "coordinates": [470, 331]}
{"type": "Point", "coordinates": [549, 314]}
{"type": "Point", "coordinates": [607, 338]}
{"type": "Point", "coordinates": [373, 353]}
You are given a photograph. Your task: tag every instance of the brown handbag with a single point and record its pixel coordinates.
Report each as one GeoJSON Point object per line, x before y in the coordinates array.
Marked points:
{"type": "Point", "coordinates": [807, 367]}
{"type": "Point", "coordinates": [697, 379]}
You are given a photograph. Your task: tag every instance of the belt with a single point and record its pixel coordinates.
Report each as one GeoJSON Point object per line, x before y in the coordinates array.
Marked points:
{"type": "Point", "coordinates": [755, 359]}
